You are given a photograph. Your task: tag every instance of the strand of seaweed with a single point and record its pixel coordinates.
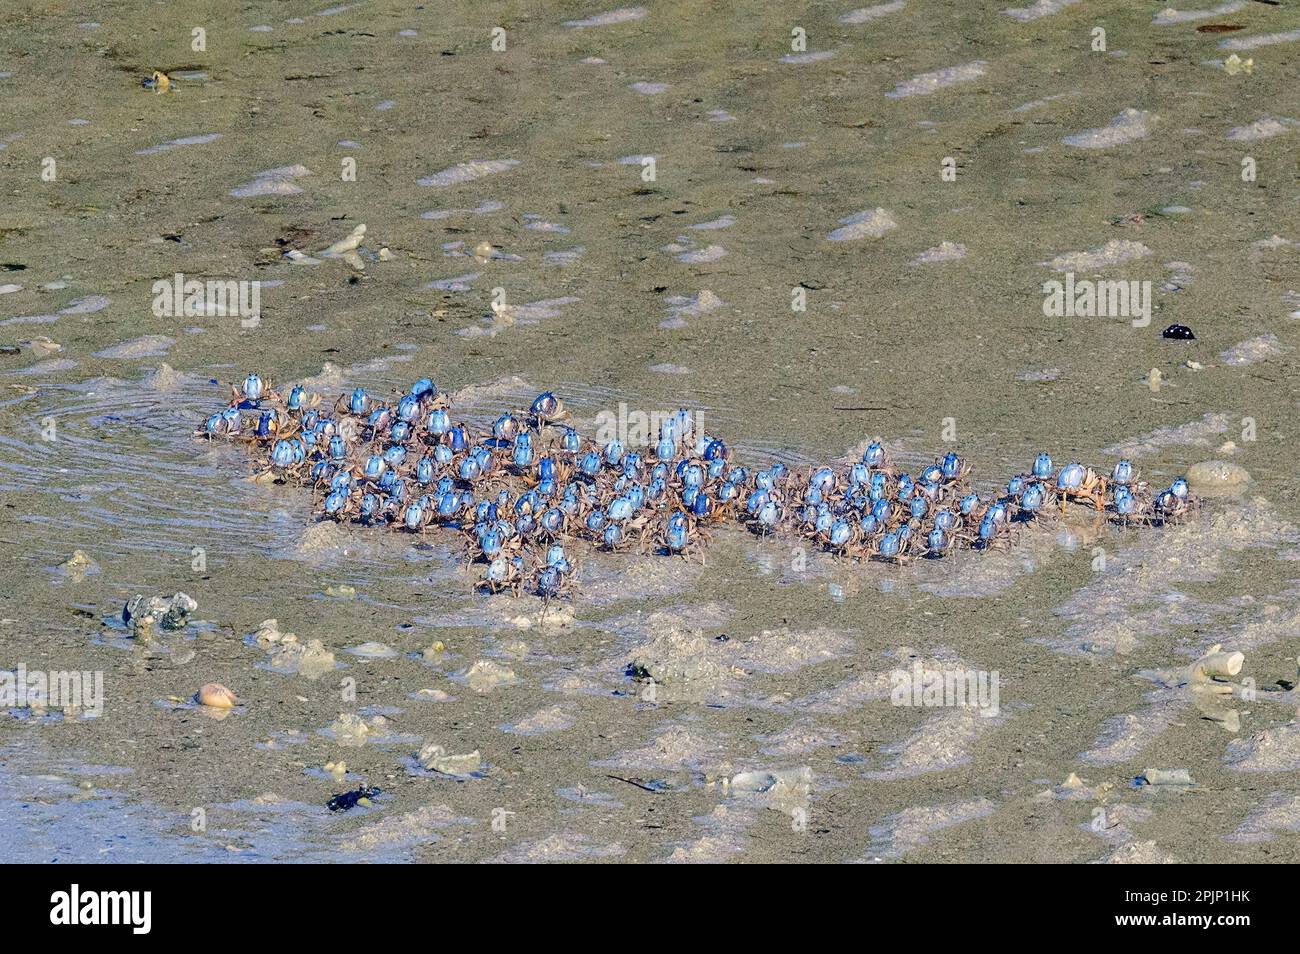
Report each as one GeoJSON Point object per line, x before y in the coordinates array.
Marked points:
{"type": "Point", "coordinates": [528, 490]}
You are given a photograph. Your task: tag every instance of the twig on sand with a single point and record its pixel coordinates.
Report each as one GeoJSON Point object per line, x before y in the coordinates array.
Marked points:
{"type": "Point", "coordinates": [637, 782]}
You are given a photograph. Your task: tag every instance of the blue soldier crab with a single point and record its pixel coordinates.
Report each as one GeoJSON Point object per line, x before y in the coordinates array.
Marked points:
{"type": "Point", "coordinates": [523, 490]}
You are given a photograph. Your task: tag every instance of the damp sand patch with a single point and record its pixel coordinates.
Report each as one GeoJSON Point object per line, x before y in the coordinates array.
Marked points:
{"type": "Point", "coordinates": [640, 580]}
{"type": "Point", "coordinates": [508, 316]}
{"type": "Point", "coordinates": [1039, 9]}
{"type": "Point", "coordinates": [784, 790]}
{"type": "Point", "coordinates": [803, 59]}
{"type": "Point", "coordinates": [682, 307]}
{"type": "Point", "coordinates": [1128, 126]}
{"type": "Point", "coordinates": [688, 665]}
{"type": "Point", "coordinates": [943, 741]}
{"type": "Point", "coordinates": [328, 542]}
{"type": "Point", "coordinates": [675, 749]}
{"type": "Point", "coordinates": [1255, 42]}
{"type": "Point", "coordinates": [1169, 15]}
{"type": "Point", "coordinates": [1279, 812]}
{"type": "Point", "coordinates": [330, 378]}
{"type": "Point", "coordinates": [688, 252]}
{"type": "Point", "coordinates": [1114, 252]}
{"type": "Point", "coordinates": [1192, 434]}
{"type": "Point", "coordinates": [1122, 738]}
{"type": "Point", "coordinates": [535, 223]}
{"type": "Point", "coordinates": [49, 366]}
{"type": "Point", "coordinates": [372, 650]}
{"type": "Point", "coordinates": [903, 832]}
{"type": "Point", "coordinates": [867, 14]}
{"type": "Point", "coordinates": [1139, 853]}
{"type": "Point", "coordinates": [698, 256]}
{"type": "Point", "coordinates": [80, 306]}
{"type": "Point", "coordinates": [1265, 128]}
{"type": "Point", "coordinates": [943, 252]}
{"type": "Point", "coordinates": [171, 144]}
{"type": "Point", "coordinates": [559, 847]}
{"type": "Point", "coordinates": [726, 830]}
{"type": "Point", "coordinates": [148, 346]}
{"type": "Point", "coordinates": [278, 181]}
{"type": "Point", "coordinates": [802, 737]}
{"type": "Point", "coordinates": [467, 172]}
{"type": "Point", "coordinates": [928, 83]}
{"type": "Point", "coordinates": [994, 572]}
{"type": "Point", "coordinates": [550, 719]}
{"type": "Point", "coordinates": [1138, 594]}
{"type": "Point", "coordinates": [483, 208]}
{"type": "Point", "coordinates": [1269, 623]}
{"type": "Point", "coordinates": [1272, 750]}
{"type": "Point", "coordinates": [869, 223]}
{"type": "Point", "coordinates": [609, 18]}
{"type": "Point", "coordinates": [563, 257]}
{"type": "Point", "coordinates": [509, 387]}
{"type": "Point", "coordinates": [458, 283]}
{"type": "Point", "coordinates": [785, 651]}
{"type": "Point", "coordinates": [1036, 103]}
{"type": "Point", "coordinates": [869, 687]}
{"type": "Point", "coordinates": [1118, 819]}
{"type": "Point", "coordinates": [585, 796]}
{"type": "Point", "coordinates": [418, 827]}
{"type": "Point", "coordinates": [686, 617]}
{"type": "Point", "coordinates": [722, 222]}
{"type": "Point", "coordinates": [679, 666]}
{"type": "Point", "coordinates": [1253, 350]}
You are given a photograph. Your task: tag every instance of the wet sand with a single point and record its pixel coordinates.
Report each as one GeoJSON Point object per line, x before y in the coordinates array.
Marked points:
{"type": "Point", "coordinates": [770, 734]}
